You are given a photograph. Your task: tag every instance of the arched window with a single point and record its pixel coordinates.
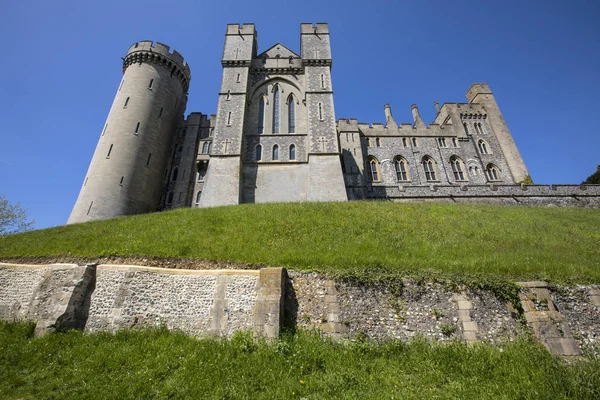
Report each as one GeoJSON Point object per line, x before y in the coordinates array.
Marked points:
{"type": "Point", "coordinates": [466, 128]}
{"type": "Point", "coordinates": [429, 168]}
{"type": "Point", "coordinates": [174, 176]}
{"type": "Point", "coordinates": [258, 152]}
{"type": "Point", "coordinates": [170, 198]}
{"type": "Point", "coordinates": [261, 115]}
{"type": "Point", "coordinates": [275, 153]}
{"type": "Point", "coordinates": [198, 197]}
{"type": "Point", "coordinates": [478, 128]}
{"type": "Point", "coordinates": [291, 114]}
{"type": "Point", "coordinates": [482, 147]}
{"type": "Point", "coordinates": [292, 152]}
{"type": "Point", "coordinates": [377, 142]}
{"type": "Point", "coordinates": [401, 167]}
{"type": "Point", "coordinates": [373, 170]}
{"type": "Point", "coordinates": [205, 148]}
{"type": "Point", "coordinates": [492, 172]}
{"type": "Point", "coordinates": [276, 109]}
{"type": "Point", "coordinates": [458, 168]}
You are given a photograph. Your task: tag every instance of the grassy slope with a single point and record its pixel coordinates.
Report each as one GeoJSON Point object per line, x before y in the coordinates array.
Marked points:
{"type": "Point", "coordinates": [161, 364]}
{"type": "Point", "coordinates": [514, 242]}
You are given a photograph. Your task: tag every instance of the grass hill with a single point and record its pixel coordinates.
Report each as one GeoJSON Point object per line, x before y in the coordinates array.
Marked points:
{"type": "Point", "coordinates": [356, 238]}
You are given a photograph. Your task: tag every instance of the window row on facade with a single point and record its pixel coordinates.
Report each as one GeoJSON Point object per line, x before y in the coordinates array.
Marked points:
{"type": "Point", "coordinates": [411, 142]}
{"type": "Point", "coordinates": [275, 153]}
{"type": "Point", "coordinates": [430, 170]}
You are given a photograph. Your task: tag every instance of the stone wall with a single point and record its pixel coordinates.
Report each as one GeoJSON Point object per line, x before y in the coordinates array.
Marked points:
{"type": "Point", "coordinates": [566, 319]}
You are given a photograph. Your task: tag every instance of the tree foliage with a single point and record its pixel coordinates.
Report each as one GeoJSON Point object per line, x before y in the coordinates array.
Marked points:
{"type": "Point", "coordinates": [594, 178]}
{"type": "Point", "coordinates": [13, 218]}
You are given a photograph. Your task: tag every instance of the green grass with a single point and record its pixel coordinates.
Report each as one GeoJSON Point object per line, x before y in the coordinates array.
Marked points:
{"type": "Point", "coordinates": [559, 244]}
{"type": "Point", "coordinates": [157, 364]}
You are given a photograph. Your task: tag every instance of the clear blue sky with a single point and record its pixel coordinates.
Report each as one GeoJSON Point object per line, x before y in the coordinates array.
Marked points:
{"type": "Point", "coordinates": [61, 66]}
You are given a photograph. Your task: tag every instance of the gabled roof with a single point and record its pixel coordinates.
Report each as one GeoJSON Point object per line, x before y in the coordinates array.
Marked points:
{"type": "Point", "coordinates": [278, 50]}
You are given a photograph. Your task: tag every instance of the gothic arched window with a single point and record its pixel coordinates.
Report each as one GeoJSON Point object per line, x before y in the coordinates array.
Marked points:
{"type": "Point", "coordinates": [258, 152]}
{"type": "Point", "coordinates": [482, 147]}
{"type": "Point", "coordinates": [291, 114]}
{"type": "Point", "coordinates": [276, 109]}
{"type": "Point", "coordinates": [261, 115]}
{"type": "Point", "coordinates": [292, 152]}
{"type": "Point", "coordinates": [373, 169]}
{"type": "Point", "coordinates": [429, 168]}
{"type": "Point", "coordinates": [458, 168]}
{"type": "Point", "coordinates": [401, 166]}
{"type": "Point", "coordinates": [492, 172]}
{"type": "Point", "coordinates": [466, 128]}
{"type": "Point", "coordinates": [275, 153]}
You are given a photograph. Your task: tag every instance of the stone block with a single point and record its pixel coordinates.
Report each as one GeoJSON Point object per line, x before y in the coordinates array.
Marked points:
{"type": "Point", "coordinates": [464, 315]}
{"type": "Point", "coordinates": [470, 326]}
{"type": "Point", "coordinates": [464, 305]}
{"type": "Point", "coordinates": [470, 336]}
{"type": "Point", "coordinates": [269, 307]}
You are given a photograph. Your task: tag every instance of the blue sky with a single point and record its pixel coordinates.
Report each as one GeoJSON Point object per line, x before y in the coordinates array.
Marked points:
{"type": "Point", "coordinates": [61, 66]}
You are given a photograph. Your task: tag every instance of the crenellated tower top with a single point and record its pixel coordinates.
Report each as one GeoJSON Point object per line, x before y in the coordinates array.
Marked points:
{"type": "Point", "coordinates": [159, 53]}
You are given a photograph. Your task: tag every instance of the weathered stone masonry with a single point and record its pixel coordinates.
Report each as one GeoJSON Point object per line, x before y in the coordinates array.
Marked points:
{"type": "Point", "coordinates": [219, 302]}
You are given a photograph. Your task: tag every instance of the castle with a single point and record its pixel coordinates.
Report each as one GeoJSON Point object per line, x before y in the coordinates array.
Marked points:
{"type": "Point", "coordinates": [275, 138]}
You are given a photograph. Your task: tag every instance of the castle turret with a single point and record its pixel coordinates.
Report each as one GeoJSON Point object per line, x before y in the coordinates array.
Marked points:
{"type": "Point", "coordinates": [128, 168]}
{"type": "Point", "coordinates": [480, 93]}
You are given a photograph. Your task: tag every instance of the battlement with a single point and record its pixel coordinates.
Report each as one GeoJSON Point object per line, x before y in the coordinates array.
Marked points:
{"type": "Point", "coordinates": [477, 89]}
{"type": "Point", "coordinates": [240, 29]}
{"type": "Point", "coordinates": [310, 28]}
{"type": "Point", "coordinates": [156, 52]}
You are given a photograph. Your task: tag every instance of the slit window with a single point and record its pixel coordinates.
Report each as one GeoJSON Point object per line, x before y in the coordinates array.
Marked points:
{"type": "Point", "coordinates": [160, 112]}
{"type": "Point", "coordinates": [126, 102]}
{"type": "Point", "coordinates": [321, 111]}
{"type": "Point", "coordinates": [148, 160]}
{"type": "Point", "coordinates": [121, 181]}
{"type": "Point", "coordinates": [151, 83]}
{"type": "Point", "coordinates": [104, 130]}
{"type": "Point", "coordinates": [109, 151]}
{"type": "Point", "coordinates": [137, 128]}
{"type": "Point", "coordinates": [229, 119]}
{"type": "Point", "coordinates": [90, 208]}
{"type": "Point", "coordinates": [261, 115]}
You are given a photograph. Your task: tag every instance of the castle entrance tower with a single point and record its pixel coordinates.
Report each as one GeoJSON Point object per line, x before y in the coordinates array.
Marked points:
{"type": "Point", "coordinates": [275, 138]}
{"type": "Point", "coordinates": [127, 170]}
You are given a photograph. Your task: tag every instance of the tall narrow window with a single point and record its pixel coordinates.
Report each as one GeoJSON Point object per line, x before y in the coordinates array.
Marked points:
{"type": "Point", "coordinates": [291, 114]}
{"type": "Point", "coordinates": [174, 176]}
{"type": "Point", "coordinates": [373, 170]}
{"type": "Point", "coordinates": [258, 152]}
{"type": "Point", "coordinates": [466, 128]}
{"type": "Point", "coordinates": [151, 83]}
{"type": "Point", "coordinates": [377, 142]}
{"type": "Point", "coordinates": [238, 78]}
{"type": "Point", "coordinates": [404, 143]}
{"type": "Point", "coordinates": [414, 142]}
{"type": "Point", "coordinates": [322, 81]}
{"type": "Point", "coordinates": [429, 168]}
{"type": "Point", "coordinates": [401, 167]}
{"type": "Point", "coordinates": [442, 142]}
{"type": "Point", "coordinates": [321, 111]}
{"type": "Point", "coordinates": [90, 208]}
{"type": "Point", "coordinates": [109, 151]}
{"type": "Point", "coordinates": [228, 97]}
{"type": "Point", "coordinates": [205, 148]}
{"type": "Point", "coordinates": [160, 112]}
{"type": "Point", "coordinates": [482, 147]}
{"type": "Point", "coordinates": [201, 172]}
{"type": "Point", "coordinates": [104, 130]}
{"type": "Point", "coordinates": [198, 197]}
{"type": "Point", "coordinates": [121, 85]}
{"type": "Point", "coordinates": [276, 110]}
{"type": "Point", "coordinates": [292, 152]}
{"type": "Point", "coordinates": [493, 173]}
{"type": "Point", "coordinates": [457, 168]}
{"type": "Point", "coordinates": [126, 102]}
{"type": "Point", "coordinates": [148, 160]}
{"type": "Point", "coordinates": [454, 142]}
{"type": "Point", "coordinates": [170, 198]}
{"type": "Point", "coordinates": [229, 119]}
{"type": "Point", "coordinates": [137, 128]}
{"type": "Point", "coordinates": [121, 182]}
{"type": "Point", "coordinates": [275, 153]}
{"type": "Point", "coordinates": [85, 183]}
{"type": "Point", "coordinates": [261, 115]}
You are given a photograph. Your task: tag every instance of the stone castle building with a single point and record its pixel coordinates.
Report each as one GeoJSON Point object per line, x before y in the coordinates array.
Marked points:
{"type": "Point", "coordinates": [275, 138]}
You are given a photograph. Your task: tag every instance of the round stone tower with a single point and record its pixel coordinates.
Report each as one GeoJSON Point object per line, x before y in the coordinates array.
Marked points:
{"type": "Point", "coordinates": [127, 172]}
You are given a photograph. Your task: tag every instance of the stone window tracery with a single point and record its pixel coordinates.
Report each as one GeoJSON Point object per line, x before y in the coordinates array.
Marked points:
{"type": "Point", "coordinates": [458, 169]}
{"type": "Point", "coordinates": [373, 173]}
{"type": "Point", "coordinates": [493, 173]}
{"type": "Point", "coordinates": [401, 166]}
{"type": "Point", "coordinates": [429, 168]}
